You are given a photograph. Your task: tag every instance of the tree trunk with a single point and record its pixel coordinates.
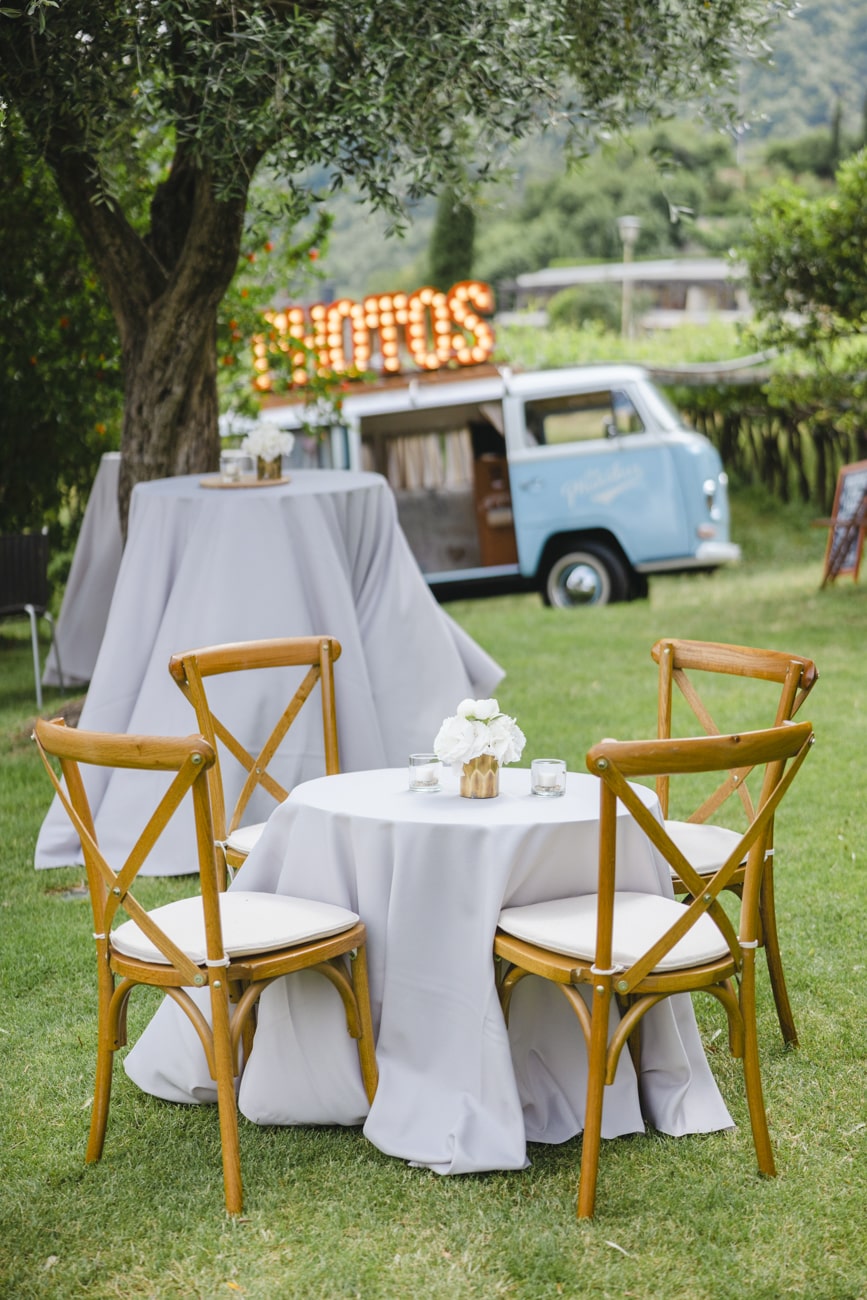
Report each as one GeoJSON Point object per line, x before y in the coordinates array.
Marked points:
{"type": "Point", "coordinates": [170, 350]}
{"type": "Point", "coordinates": [164, 289]}
{"type": "Point", "coordinates": [170, 423]}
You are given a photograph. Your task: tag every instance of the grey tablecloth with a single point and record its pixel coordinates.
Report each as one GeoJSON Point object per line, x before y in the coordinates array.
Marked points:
{"type": "Point", "coordinates": [429, 873]}
{"type": "Point", "coordinates": [87, 597]}
{"type": "Point", "coordinates": [322, 554]}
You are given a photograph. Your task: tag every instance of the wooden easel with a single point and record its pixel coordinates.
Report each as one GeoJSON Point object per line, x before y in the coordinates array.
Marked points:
{"type": "Point", "coordinates": [847, 524]}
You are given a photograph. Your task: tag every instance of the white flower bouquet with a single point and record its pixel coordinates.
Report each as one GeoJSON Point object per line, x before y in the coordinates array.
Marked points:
{"type": "Point", "coordinates": [477, 728]}
{"type": "Point", "coordinates": [267, 442]}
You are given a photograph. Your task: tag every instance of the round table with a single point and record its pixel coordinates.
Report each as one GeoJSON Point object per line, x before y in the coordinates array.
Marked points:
{"type": "Point", "coordinates": [322, 553]}
{"type": "Point", "coordinates": [429, 873]}
{"type": "Point", "coordinates": [92, 575]}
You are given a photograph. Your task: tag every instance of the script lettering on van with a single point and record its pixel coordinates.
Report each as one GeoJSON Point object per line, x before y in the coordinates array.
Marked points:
{"type": "Point", "coordinates": [602, 486]}
{"type": "Point", "coordinates": [389, 332]}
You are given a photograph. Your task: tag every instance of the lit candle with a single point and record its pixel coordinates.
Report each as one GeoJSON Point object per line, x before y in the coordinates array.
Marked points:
{"type": "Point", "coordinates": [424, 772]}
{"type": "Point", "coordinates": [548, 777]}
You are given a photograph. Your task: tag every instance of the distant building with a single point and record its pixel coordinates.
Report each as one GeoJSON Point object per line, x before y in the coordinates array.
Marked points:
{"type": "Point", "coordinates": [681, 290]}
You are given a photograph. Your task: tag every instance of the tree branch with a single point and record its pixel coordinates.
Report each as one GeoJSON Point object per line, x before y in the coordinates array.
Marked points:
{"type": "Point", "coordinates": [130, 274]}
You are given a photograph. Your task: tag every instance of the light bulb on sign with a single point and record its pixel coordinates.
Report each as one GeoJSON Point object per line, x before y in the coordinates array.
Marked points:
{"type": "Point", "coordinates": [436, 328]}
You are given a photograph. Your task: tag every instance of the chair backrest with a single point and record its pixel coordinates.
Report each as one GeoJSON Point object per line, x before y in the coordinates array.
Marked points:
{"type": "Point", "coordinates": [23, 571]}
{"type": "Point", "coordinates": [192, 669]}
{"type": "Point", "coordinates": [110, 886]}
{"type": "Point", "coordinates": [680, 662]}
{"type": "Point", "coordinates": [780, 750]}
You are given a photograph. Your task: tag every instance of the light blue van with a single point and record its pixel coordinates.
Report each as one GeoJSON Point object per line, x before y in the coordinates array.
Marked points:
{"type": "Point", "coordinates": [578, 482]}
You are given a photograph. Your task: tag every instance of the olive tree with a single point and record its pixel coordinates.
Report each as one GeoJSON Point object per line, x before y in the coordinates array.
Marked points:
{"type": "Point", "coordinates": [60, 383]}
{"type": "Point", "coordinates": [807, 262]}
{"type": "Point", "coordinates": [806, 258]}
{"type": "Point", "coordinates": [393, 95]}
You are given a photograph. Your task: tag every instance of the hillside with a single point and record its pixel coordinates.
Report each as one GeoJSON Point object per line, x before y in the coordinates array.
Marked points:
{"type": "Point", "coordinates": [819, 63]}
{"type": "Point", "coordinates": [819, 60]}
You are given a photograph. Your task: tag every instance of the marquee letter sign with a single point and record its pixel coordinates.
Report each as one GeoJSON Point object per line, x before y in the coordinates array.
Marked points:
{"type": "Point", "coordinates": [386, 332]}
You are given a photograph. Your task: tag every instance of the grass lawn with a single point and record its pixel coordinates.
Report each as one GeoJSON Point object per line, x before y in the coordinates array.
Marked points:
{"type": "Point", "coordinates": [327, 1215]}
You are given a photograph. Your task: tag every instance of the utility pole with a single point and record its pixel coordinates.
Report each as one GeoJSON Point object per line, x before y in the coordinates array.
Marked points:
{"type": "Point", "coordinates": [627, 228]}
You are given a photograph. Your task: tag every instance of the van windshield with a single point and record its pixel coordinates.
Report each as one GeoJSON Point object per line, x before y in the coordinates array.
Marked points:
{"type": "Point", "coordinates": [663, 411]}
{"type": "Point", "coordinates": [581, 417]}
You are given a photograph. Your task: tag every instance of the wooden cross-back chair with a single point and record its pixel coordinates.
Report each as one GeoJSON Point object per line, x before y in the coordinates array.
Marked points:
{"type": "Point", "coordinates": [193, 668]}
{"type": "Point", "coordinates": [638, 948]}
{"type": "Point", "coordinates": [232, 944]}
{"type": "Point", "coordinates": [680, 664]}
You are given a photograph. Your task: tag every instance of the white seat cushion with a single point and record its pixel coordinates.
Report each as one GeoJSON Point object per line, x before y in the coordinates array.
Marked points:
{"type": "Point", "coordinates": [251, 922]}
{"type": "Point", "coordinates": [704, 846]}
{"type": "Point", "coordinates": [243, 838]}
{"type": "Point", "coordinates": [568, 926]}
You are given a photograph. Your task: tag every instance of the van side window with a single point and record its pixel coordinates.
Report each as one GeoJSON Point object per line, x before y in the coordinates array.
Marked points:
{"type": "Point", "coordinates": [581, 417]}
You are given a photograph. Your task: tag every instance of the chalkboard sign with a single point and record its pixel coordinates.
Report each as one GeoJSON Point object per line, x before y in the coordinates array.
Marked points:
{"type": "Point", "coordinates": [848, 523]}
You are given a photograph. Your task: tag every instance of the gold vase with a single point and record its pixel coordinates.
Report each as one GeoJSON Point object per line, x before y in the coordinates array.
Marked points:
{"type": "Point", "coordinates": [480, 778]}
{"type": "Point", "coordinates": [269, 469]}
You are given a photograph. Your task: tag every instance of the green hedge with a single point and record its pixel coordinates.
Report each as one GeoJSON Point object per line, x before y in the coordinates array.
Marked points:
{"type": "Point", "coordinates": [793, 447]}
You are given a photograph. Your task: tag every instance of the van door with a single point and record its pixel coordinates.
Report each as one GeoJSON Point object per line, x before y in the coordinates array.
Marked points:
{"type": "Point", "coordinates": [592, 461]}
{"type": "Point", "coordinates": [448, 469]}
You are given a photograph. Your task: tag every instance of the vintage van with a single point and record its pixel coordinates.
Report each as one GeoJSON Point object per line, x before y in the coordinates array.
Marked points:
{"type": "Point", "coordinates": [579, 482]}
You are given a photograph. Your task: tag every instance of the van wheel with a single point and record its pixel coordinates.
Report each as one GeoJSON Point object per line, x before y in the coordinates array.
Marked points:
{"type": "Point", "coordinates": [593, 575]}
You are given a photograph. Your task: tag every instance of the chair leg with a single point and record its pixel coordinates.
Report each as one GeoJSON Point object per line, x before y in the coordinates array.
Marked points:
{"type": "Point", "coordinates": [106, 1041]}
{"type": "Point", "coordinates": [101, 1101]}
{"type": "Point", "coordinates": [225, 873]}
{"type": "Point", "coordinates": [227, 1104]}
{"type": "Point", "coordinates": [365, 1043]}
{"type": "Point", "coordinates": [596, 1064]}
{"type": "Point", "coordinates": [34, 640]}
{"type": "Point", "coordinates": [634, 1040]}
{"type": "Point", "coordinates": [237, 989]}
{"type": "Point", "coordinates": [768, 917]}
{"type": "Point", "coordinates": [752, 1071]}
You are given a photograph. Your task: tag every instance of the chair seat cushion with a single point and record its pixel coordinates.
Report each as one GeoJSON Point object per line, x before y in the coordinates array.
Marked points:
{"type": "Point", "coordinates": [251, 923]}
{"type": "Point", "coordinates": [704, 846]}
{"type": "Point", "coordinates": [568, 926]}
{"type": "Point", "coordinates": [243, 838]}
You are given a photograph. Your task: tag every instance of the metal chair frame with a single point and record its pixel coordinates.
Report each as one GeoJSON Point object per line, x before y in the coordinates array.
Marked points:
{"type": "Point", "coordinates": [24, 590]}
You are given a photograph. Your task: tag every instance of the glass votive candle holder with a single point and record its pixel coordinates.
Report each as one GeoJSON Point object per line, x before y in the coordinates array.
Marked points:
{"type": "Point", "coordinates": [424, 772]}
{"type": "Point", "coordinates": [235, 465]}
{"type": "Point", "coordinates": [548, 777]}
